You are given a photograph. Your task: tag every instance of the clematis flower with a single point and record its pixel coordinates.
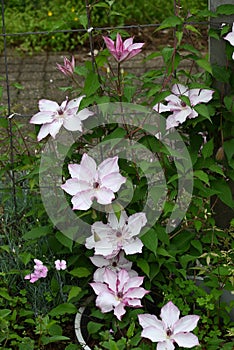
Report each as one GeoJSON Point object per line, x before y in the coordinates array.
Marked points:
{"type": "Point", "coordinates": [230, 37]}
{"type": "Point", "coordinates": [40, 271]}
{"type": "Point", "coordinates": [68, 67]}
{"type": "Point", "coordinates": [53, 116]}
{"type": "Point", "coordinates": [89, 182]}
{"type": "Point", "coordinates": [115, 264]}
{"type": "Point", "coordinates": [60, 265]}
{"type": "Point", "coordinates": [179, 108]}
{"type": "Point", "coordinates": [122, 50]}
{"type": "Point", "coordinates": [171, 329]}
{"type": "Point", "coordinates": [118, 291]}
{"type": "Point", "coordinates": [108, 239]}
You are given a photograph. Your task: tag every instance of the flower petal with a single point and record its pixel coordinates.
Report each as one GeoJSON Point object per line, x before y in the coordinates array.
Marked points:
{"type": "Point", "coordinates": [154, 334]}
{"type": "Point", "coordinates": [73, 123]}
{"type": "Point", "coordinates": [83, 200]}
{"type": "Point", "coordinates": [147, 320]}
{"type": "Point", "coordinates": [119, 311]}
{"type": "Point", "coordinates": [165, 345]}
{"type": "Point", "coordinates": [113, 181]}
{"type": "Point", "coordinates": [132, 282]}
{"type": "Point", "coordinates": [132, 246]}
{"type": "Point", "coordinates": [170, 314]}
{"type": "Point", "coordinates": [186, 340]}
{"type": "Point", "coordinates": [48, 105]}
{"type": "Point", "coordinates": [106, 301]}
{"type": "Point", "coordinates": [110, 278]}
{"type": "Point", "coordinates": [74, 186]}
{"type": "Point", "coordinates": [84, 114]}
{"type": "Point", "coordinates": [42, 118]}
{"type": "Point", "coordinates": [104, 195]}
{"type": "Point", "coordinates": [186, 324]}
{"type": "Point", "coordinates": [136, 222]}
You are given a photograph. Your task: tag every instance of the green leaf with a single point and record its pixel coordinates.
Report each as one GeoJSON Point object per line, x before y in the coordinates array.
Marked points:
{"type": "Point", "coordinates": [221, 73]}
{"type": "Point", "coordinates": [94, 327]}
{"type": "Point", "coordinates": [150, 240]}
{"type": "Point", "coordinates": [64, 240]}
{"type": "Point", "coordinates": [91, 84]}
{"type": "Point", "coordinates": [229, 103]}
{"type": "Point", "coordinates": [3, 122]}
{"type": "Point", "coordinates": [4, 313]}
{"type": "Point", "coordinates": [83, 21]}
{"type": "Point", "coordinates": [229, 148]}
{"type": "Point", "coordinates": [143, 265]}
{"type": "Point", "coordinates": [223, 192]}
{"type": "Point", "coordinates": [170, 22]}
{"type": "Point", "coordinates": [227, 9]}
{"type": "Point", "coordinates": [37, 232]}
{"type": "Point", "coordinates": [25, 257]}
{"type": "Point", "coordinates": [201, 175]}
{"type": "Point", "coordinates": [74, 292]}
{"type": "Point", "coordinates": [208, 148]}
{"type": "Point", "coordinates": [203, 111]}
{"type": "Point", "coordinates": [197, 244]}
{"type": "Point", "coordinates": [204, 64]}
{"type": "Point", "coordinates": [62, 309]}
{"type": "Point", "coordinates": [80, 272]}
{"type": "Point", "coordinates": [47, 340]}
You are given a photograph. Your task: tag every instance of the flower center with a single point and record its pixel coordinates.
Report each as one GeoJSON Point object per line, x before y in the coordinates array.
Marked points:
{"type": "Point", "coordinates": [60, 112]}
{"type": "Point", "coordinates": [169, 332]}
{"type": "Point", "coordinates": [119, 295]}
{"type": "Point", "coordinates": [183, 104]}
{"type": "Point", "coordinates": [95, 185]}
{"type": "Point", "coordinates": [114, 264]}
{"type": "Point", "coordinates": [118, 234]}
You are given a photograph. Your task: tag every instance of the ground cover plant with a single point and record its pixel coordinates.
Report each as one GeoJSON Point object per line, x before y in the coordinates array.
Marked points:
{"type": "Point", "coordinates": [116, 197]}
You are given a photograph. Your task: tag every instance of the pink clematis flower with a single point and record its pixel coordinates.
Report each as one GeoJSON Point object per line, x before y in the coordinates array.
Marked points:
{"type": "Point", "coordinates": [171, 329]}
{"type": "Point", "coordinates": [40, 271]}
{"type": "Point", "coordinates": [68, 67]}
{"type": "Point", "coordinates": [115, 264]}
{"type": "Point", "coordinates": [53, 116]}
{"type": "Point", "coordinates": [230, 37]}
{"type": "Point", "coordinates": [122, 50]}
{"type": "Point", "coordinates": [118, 291]}
{"type": "Point", "coordinates": [108, 239]}
{"type": "Point", "coordinates": [60, 265]}
{"type": "Point", "coordinates": [89, 182]}
{"type": "Point", "coordinates": [180, 109]}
